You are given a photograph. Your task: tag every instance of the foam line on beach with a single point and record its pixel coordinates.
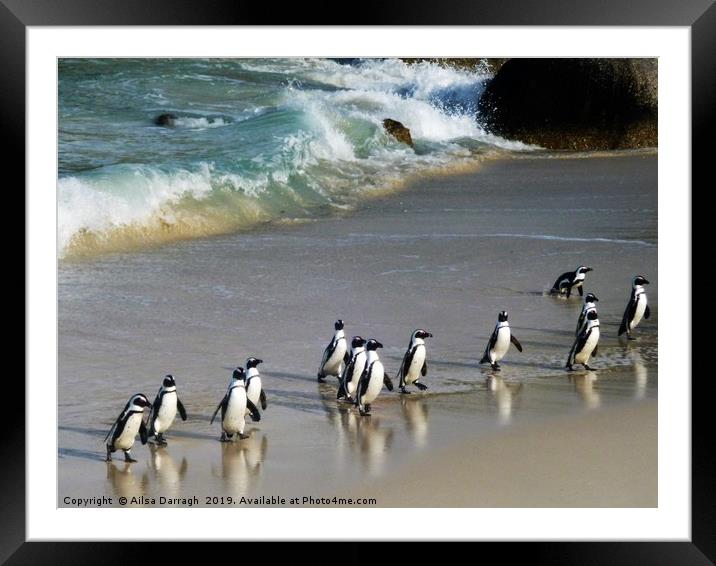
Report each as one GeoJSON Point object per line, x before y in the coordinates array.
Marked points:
{"type": "Point", "coordinates": [571, 239]}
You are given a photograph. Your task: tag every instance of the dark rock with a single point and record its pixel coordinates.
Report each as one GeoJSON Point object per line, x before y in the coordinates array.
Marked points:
{"type": "Point", "coordinates": [166, 120]}
{"type": "Point", "coordinates": [578, 104]}
{"type": "Point", "coordinates": [398, 131]}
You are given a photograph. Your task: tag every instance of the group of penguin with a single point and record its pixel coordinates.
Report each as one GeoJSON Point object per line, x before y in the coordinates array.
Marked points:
{"type": "Point", "coordinates": [243, 396]}
{"type": "Point", "coordinates": [359, 370]}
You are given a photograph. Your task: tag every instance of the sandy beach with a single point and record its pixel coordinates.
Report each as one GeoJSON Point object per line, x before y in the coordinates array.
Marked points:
{"type": "Point", "coordinates": [445, 253]}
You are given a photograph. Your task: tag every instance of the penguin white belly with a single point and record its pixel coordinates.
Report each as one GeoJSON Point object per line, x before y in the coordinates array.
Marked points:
{"type": "Point", "coordinates": [253, 392]}
{"type": "Point", "coordinates": [639, 312]}
{"type": "Point", "coordinates": [416, 365]}
{"type": "Point", "coordinates": [502, 344]}
{"type": "Point", "coordinates": [582, 357]}
{"type": "Point", "coordinates": [375, 384]}
{"type": "Point", "coordinates": [333, 364]}
{"type": "Point", "coordinates": [167, 412]}
{"type": "Point", "coordinates": [354, 380]}
{"type": "Point", "coordinates": [126, 440]}
{"type": "Point", "coordinates": [235, 410]}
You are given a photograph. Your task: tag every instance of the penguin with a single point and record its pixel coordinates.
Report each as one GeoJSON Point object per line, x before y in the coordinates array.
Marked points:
{"type": "Point", "coordinates": [589, 306]}
{"type": "Point", "coordinates": [568, 281]}
{"type": "Point", "coordinates": [254, 389]}
{"type": "Point", "coordinates": [499, 342]}
{"type": "Point", "coordinates": [586, 344]}
{"type": "Point", "coordinates": [335, 354]}
{"type": "Point", "coordinates": [233, 408]}
{"type": "Point", "coordinates": [164, 410]}
{"type": "Point", "coordinates": [372, 379]}
{"type": "Point", "coordinates": [125, 428]}
{"type": "Point", "coordinates": [353, 370]}
{"type": "Point", "coordinates": [415, 362]}
{"type": "Point", "coordinates": [637, 307]}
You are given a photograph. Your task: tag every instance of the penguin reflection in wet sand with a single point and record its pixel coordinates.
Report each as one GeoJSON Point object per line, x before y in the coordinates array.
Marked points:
{"type": "Point", "coordinates": [233, 408]}
{"type": "Point", "coordinates": [588, 307]}
{"type": "Point", "coordinates": [637, 308]}
{"type": "Point", "coordinates": [164, 410]}
{"type": "Point", "coordinates": [585, 346]}
{"type": "Point", "coordinates": [354, 369]}
{"type": "Point", "coordinates": [372, 380]}
{"type": "Point", "coordinates": [415, 362]}
{"type": "Point", "coordinates": [125, 428]}
{"type": "Point", "coordinates": [499, 342]}
{"type": "Point", "coordinates": [254, 387]}
{"type": "Point", "coordinates": [335, 354]}
{"type": "Point", "coordinates": [571, 279]}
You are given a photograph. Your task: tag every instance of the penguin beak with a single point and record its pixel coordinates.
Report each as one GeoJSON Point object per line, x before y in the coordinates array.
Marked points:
{"type": "Point", "coordinates": [259, 362]}
{"type": "Point", "coordinates": [596, 300]}
{"type": "Point", "coordinates": [378, 345]}
{"type": "Point", "coordinates": [430, 335]}
{"type": "Point", "coordinates": [589, 269]}
{"type": "Point", "coordinates": [646, 282]}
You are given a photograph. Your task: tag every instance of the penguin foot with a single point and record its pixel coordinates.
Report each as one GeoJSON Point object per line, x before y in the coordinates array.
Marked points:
{"type": "Point", "coordinates": [587, 367]}
{"type": "Point", "coordinates": [404, 391]}
{"type": "Point", "coordinates": [364, 413]}
{"type": "Point", "coordinates": [128, 458]}
{"type": "Point", "coordinates": [569, 367]}
{"type": "Point", "coordinates": [243, 436]}
{"type": "Point", "coordinates": [321, 378]}
{"type": "Point", "coordinates": [108, 458]}
{"type": "Point", "coordinates": [420, 386]}
{"type": "Point", "coordinates": [631, 338]}
{"type": "Point", "coordinates": [223, 437]}
{"type": "Point", "coordinates": [495, 367]}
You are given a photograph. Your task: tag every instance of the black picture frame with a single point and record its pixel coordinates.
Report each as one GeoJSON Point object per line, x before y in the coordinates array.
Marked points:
{"type": "Point", "coordinates": [698, 15]}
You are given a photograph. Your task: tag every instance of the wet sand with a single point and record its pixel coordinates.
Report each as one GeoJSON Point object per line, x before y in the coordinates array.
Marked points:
{"type": "Point", "coordinates": [446, 254]}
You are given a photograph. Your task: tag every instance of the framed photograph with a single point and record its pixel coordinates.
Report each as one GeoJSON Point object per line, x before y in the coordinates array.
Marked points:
{"type": "Point", "coordinates": [414, 279]}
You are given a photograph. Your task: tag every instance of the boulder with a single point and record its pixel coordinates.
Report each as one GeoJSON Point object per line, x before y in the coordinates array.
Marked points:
{"type": "Point", "coordinates": [578, 104]}
{"type": "Point", "coordinates": [166, 120]}
{"type": "Point", "coordinates": [398, 131]}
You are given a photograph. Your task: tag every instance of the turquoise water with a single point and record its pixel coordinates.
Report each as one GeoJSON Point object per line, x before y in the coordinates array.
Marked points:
{"type": "Point", "coordinates": [255, 141]}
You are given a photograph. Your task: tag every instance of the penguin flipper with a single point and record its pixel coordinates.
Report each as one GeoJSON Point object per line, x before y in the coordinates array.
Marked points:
{"type": "Point", "coordinates": [516, 342]}
{"type": "Point", "coordinates": [628, 315]}
{"type": "Point", "coordinates": [255, 415]}
{"type": "Point", "coordinates": [347, 356]}
{"type": "Point", "coordinates": [143, 434]}
{"type": "Point", "coordinates": [647, 312]}
{"type": "Point", "coordinates": [341, 389]}
{"type": "Point", "coordinates": [111, 430]}
{"type": "Point", "coordinates": [424, 369]}
{"type": "Point", "coordinates": [581, 290]}
{"type": "Point", "coordinates": [221, 406]}
{"type": "Point", "coordinates": [181, 409]}
{"type": "Point", "coordinates": [595, 351]}
{"type": "Point", "coordinates": [262, 398]}
{"type": "Point", "coordinates": [579, 323]}
{"type": "Point", "coordinates": [387, 382]}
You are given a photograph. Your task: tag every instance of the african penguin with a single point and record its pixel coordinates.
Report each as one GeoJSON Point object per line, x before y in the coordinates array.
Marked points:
{"type": "Point", "coordinates": [637, 307]}
{"type": "Point", "coordinates": [588, 307]}
{"type": "Point", "coordinates": [415, 361]}
{"type": "Point", "coordinates": [334, 355]}
{"type": "Point", "coordinates": [125, 428]}
{"type": "Point", "coordinates": [499, 342]}
{"type": "Point", "coordinates": [233, 408]}
{"type": "Point", "coordinates": [372, 379]}
{"type": "Point", "coordinates": [254, 389]}
{"type": "Point", "coordinates": [353, 370]}
{"type": "Point", "coordinates": [586, 344]}
{"type": "Point", "coordinates": [164, 410]}
{"type": "Point", "coordinates": [568, 281]}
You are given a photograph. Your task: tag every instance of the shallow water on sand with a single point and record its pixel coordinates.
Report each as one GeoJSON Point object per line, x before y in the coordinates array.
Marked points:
{"type": "Point", "coordinates": [447, 254]}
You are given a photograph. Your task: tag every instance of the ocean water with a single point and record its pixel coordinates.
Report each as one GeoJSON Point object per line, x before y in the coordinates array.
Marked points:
{"type": "Point", "coordinates": [256, 141]}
